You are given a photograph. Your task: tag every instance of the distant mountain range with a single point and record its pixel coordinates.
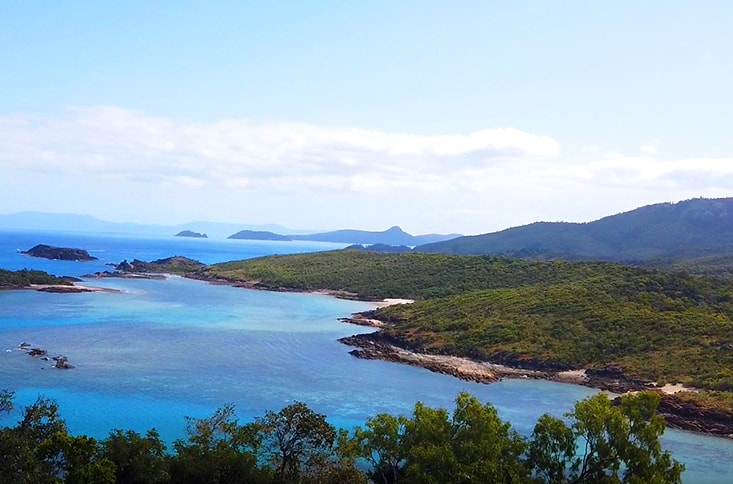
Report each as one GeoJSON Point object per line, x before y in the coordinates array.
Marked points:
{"type": "Point", "coordinates": [86, 223]}
{"type": "Point", "coordinates": [665, 231]}
{"type": "Point", "coordinates": [392, 236]}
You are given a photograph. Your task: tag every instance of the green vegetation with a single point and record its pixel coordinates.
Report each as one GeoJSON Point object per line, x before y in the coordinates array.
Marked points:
{"type": "Point", "coordinates": [373, 275]}
{"type": "Point", "coordinates": [715, 266]}
{"type": "Point", "coordinates": [649, 333]}
{"type": "Point", "coordinates": [654, 326]}
{"type": "Point", "coordinates": [25, 277]}
{"type": "Point", "coordinates": [597, 442]}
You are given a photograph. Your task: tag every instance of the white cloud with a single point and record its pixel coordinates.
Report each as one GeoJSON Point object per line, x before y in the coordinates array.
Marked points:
{"type": "Point", "coordinates": [119, 143]}
{"type": "Point", "coordinates": [146, 168]}
{"type": "Point", "coordinates": [649, 172]}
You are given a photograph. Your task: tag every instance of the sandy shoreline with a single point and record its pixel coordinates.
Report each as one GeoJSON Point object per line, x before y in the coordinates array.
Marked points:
{"type": "Point", "coordinates": [74, 288]}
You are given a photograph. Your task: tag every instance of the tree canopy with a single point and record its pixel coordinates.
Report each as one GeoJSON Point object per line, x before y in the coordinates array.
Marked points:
{"type": "Point", "coordinates": [599, 441]}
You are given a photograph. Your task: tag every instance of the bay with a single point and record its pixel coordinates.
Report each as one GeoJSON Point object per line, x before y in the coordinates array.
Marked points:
{"type": "Point", "coordinates": [159, 350]}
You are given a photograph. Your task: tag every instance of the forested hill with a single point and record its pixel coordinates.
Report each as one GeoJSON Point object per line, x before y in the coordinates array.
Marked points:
{"type": "Point", "coordinates": [372, 275]}
{"type": "Point", "coordinates": [666, 231]}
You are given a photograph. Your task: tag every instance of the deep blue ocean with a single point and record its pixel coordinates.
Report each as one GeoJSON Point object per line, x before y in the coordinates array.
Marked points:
{"type": "Point", "coordinates": [160, 350]}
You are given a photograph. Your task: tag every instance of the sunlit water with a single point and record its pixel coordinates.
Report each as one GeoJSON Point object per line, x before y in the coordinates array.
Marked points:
{"type": "Point", "coordinates": [159, 350]}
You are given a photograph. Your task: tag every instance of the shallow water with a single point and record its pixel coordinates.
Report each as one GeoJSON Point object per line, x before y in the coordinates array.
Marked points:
{"type": "Point", "coordinates": [162, 349]}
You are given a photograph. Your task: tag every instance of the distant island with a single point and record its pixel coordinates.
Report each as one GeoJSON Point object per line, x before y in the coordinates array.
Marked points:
{"type": "Point", "coordinates": [394, 236]}
{"type": "Point", "coordinates": [175, 264]}
{"type": "Point", "coordinates": [191, 233]}
{"type": "Point", "coordinates": [59, 253]}
{"type": "Point", "coordinates": [259, 235]}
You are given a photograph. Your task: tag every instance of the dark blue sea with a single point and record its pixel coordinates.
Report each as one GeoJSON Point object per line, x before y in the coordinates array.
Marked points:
{"type": "Point", "coordinates": [159, 350]}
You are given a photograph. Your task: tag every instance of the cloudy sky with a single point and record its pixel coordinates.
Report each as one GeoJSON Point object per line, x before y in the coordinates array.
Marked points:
{"type": "Point", "coordinates": [467, 116]}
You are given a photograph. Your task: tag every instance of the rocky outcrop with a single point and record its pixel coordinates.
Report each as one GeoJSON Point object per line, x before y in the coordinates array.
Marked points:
{"type": "Point", "coordinates": [37, 352]}
{"type": "Point", "coordinates": [381, 346]}
{"type": "Point", "coordinates": [685, 415]}
{"type": "Point", "coordinates": [175, 264]}
{"type": "Point", "coordinates": [61, 362]}
{"type": "Point", "coordinates": [613, 379]}
{"type": "Point", "coordinates": [59, 253]}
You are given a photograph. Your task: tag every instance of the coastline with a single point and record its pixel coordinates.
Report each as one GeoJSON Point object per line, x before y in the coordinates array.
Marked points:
{"type": "Point", "coordinates": [678, 413]}
{"type": "Point", "coordinates": [58, 288]}
{"type": "Point", "coordinates": [64, 289]}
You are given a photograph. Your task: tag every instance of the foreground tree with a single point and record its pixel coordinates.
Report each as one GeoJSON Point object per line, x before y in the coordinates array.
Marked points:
{"type": "Point", "coordinates": [382, 443]}
{"type": "Point", "coordinates": [6, 400]}
{"type": "Point", "coordinates": [138, 459]}
{"type": "Point", "coordinates": [218, 450]}
{"type": "Point", "coordinates": [600, 442]}
{"type": "Point", "coordinates": [604, 443]}
{"type": "Point", "coordinates": [296, 441]}
{"type": "Point", "coordinates": [472, 445]}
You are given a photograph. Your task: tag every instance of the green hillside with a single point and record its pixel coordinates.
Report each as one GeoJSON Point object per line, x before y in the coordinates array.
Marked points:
{"type": "Point", "coordinates": [371, 275]}
{"type": "Point", "coordinates": [662, 232]}
{"type": "Point", "coordinates": [649, 332]}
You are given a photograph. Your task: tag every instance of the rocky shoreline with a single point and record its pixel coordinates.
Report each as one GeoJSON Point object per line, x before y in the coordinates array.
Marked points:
{"type": "Point", "coordinates": [679, 414]}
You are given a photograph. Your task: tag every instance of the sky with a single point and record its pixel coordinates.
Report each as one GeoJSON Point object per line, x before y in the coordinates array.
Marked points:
{"type": "Point", "coordinates": [440, 117]}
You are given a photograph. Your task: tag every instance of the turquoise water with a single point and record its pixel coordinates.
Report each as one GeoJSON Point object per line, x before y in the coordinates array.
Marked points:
{"type": "Point", "coordinates": [160, 350]}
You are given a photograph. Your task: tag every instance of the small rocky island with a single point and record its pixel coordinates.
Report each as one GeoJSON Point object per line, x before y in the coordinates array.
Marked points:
{"type": "Point", "coordinates": [60, 362]}
{"type": "Point", "coordinates": [139, 269]}
{"type": "Point", "coordinates": [190, 233]}
{"type": "Point", "coordinates": [59, 253]}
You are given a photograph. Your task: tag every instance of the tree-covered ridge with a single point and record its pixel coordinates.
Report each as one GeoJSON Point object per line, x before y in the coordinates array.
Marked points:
{"type": "Point", "coordinates": [25, 278]}
{"type": "Point", "coordinates": [596, 442]}
{"type": "Point", "coordinates": [716, 266]}
{"type": "Point", "coordinates": [673, 231]}
{"type": "Point", "coordinates": [424, 276]}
